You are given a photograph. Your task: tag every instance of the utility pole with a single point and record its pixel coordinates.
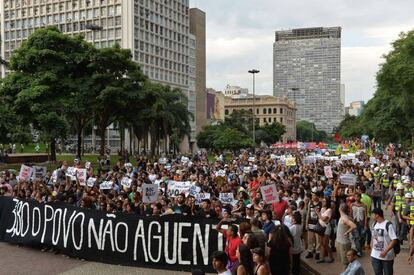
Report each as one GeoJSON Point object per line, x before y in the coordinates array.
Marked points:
{"type": "Point", "coordinates": [254, 72]}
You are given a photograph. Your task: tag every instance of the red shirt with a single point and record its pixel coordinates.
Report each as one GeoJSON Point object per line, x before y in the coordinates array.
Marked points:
{"type": "Point", "coordinates": [279, 209]}
{"type": "Point", "coordinates": [231, 246]}
{"type": "Point", "coordinates": [253, 188]}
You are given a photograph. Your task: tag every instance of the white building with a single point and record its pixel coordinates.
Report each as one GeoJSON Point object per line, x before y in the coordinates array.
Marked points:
{"type": "Point", "coordinates": [156, 31]}
{"type": "Point", "coordinates": [235, 91]}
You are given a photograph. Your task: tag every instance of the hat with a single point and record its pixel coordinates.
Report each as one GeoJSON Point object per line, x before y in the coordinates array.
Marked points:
{"type": "Point", "coordinates": [406, 181]}
{"type": "Point", "coordinates": [395, 175]}
{"type": "Point", "coordinates": [400, 186]}
{"type": "Point", "coordinates": [250, 206]}
{"type": "Point", "coordinates": [408, 196]}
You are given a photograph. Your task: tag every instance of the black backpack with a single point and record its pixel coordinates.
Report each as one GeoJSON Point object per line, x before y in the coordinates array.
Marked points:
{"type": "Point", "coordinates": [397, 246]}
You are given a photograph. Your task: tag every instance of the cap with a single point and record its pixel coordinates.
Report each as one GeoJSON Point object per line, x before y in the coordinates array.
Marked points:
{"type": "Point", "coordinates": [250, 206]}
{"type": "Point", "coordinates": [400, 186]}
{"type": "Point", "coordinates": [395, 175]}
{"type": "Point", "coordinates": [406, 181]}
{"type": "Point", "coordinates": [408, 196]}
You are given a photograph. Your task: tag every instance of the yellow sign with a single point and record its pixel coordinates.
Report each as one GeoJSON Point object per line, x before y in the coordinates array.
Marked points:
{"type": "Point", "coordinates": [290, 161]}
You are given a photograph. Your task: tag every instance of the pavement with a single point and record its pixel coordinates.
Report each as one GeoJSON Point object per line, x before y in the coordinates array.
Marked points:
{"type": "Point", "coordinates": [30, 261]}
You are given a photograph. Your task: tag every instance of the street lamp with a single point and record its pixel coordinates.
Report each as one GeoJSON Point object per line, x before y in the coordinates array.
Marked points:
{"type": "Point", "coordinates": [93, 28]}
{"type": "Point", "coordinates": [254, 72]}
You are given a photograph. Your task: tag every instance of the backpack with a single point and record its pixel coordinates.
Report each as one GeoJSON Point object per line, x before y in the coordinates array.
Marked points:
{"type": "Point", "coordinates": [397, 246]}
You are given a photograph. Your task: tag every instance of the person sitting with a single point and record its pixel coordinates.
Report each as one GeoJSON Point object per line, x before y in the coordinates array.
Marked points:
{"type": "Point", "coordinates": [354, 267]}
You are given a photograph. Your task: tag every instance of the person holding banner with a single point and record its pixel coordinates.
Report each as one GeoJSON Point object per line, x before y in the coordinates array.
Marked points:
{"type": "Point", "coordinates": [233, 242]}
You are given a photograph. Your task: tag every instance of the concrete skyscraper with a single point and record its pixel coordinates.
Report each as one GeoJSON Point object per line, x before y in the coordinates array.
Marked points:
{"type": "Point", "coordinates": [307, 69]}
{"type": "Point", "coordinates": [156, 31]}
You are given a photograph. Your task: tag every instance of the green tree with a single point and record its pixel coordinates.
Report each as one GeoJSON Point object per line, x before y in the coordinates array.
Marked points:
{"type": "Point", "coordinates": [388, 116]}
{"type": "Point", "coordinates": [117, 82]}
{"type": "Point", "coordinates": [222, 137]}
{"type": "Point", "coordinates": [40, 83]}
{"type": "Point", "coordinates": [306, 131]}
{"type": "Point", "coordinates": [270, 133]}
{"type": "Point", "coordinates": [350, 127]}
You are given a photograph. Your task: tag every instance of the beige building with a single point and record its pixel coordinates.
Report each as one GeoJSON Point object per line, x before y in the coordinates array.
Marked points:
{"type": "Point", "coordinates": [269, 109]}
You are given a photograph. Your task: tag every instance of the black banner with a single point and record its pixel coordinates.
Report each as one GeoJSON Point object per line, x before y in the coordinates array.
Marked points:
{"type": "Point", "coordinates": [169, 242]}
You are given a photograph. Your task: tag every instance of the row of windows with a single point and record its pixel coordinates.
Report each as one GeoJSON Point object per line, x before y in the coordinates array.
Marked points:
{"type": "Point", "coordinates": [76, 14]}
{"type": "Point", "coordinates": [265, 111]}
{"type": "Point", "coordinates": [69, 3]}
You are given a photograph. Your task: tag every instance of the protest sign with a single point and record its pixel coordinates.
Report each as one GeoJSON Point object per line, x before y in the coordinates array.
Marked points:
{"type": "Point", "coordinates": [200, 197]}
{"type": "Point", "coordinates": [25, 173]}
{"type": "Point", "coordinates": [175, 188]}
{"type": "Point", "coordinates": [348, 179]}
{"type": "Point", "coordinates": [220, 173]}
{"type": "Point", "coordinates": [226, 198]}
{"type": "Point", "coordinates": [247, 169]}
{"type": "Point", "coordinates": [290, 161]}
{"type": "Point", "coordinates": [309, 160]}
{"type": "Point", "coordinates": [53, 179]}
{"type": "Point", "coordinates": [106, 185]}
{"type": "Point", "coordinates": [126, 182]}
{"type": "Point", "coordinates": [39, 172]}
{"type": "Point", "coordinates": [269, 193]}
{"type": "Point", "coordinates": [87, 165]}
{"type": "Point", "coordinates": [71, 172]}
{"type": "Point", "coordinates": [91, 182]}
{"type": "Point", "coordinates": [194, 190]}
{"type": "Point", "coordinates": [252, 159]}
{"type": "Point", "coordinates": [149, 193]}
{"type": "Point", "coordinates": [81, 173]}
{"type": "Point", "coordinates": [328, 172]}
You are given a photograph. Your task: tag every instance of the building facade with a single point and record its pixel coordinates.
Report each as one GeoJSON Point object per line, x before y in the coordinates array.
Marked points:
{"type": "Point", "coordinates": [355, 108]}
{"type": "Point", "coordinates": [215, 106]}
{"type": "Point", "coordinates": [235, 91]}
{"type": "Point", "coordinates": [307, 69]}
{"type": "Point", "coordinates": [269, 109]}
{"type": "Point", "coordinates": [156, 31]}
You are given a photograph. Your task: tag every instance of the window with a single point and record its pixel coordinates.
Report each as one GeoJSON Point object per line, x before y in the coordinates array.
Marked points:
{"type": "Point", "coordinates": [226, 112]}
{"type": "Point", "coordinates": [264, 120]}
{"type": "Point", "coordinates": [264, 110]}
{"type": "Point", "coordinates": [274, 110]}
{"type": "Point", "coordinates": [281, 110]}
{"type": "Point", "coordinates": [281, 120]}
{"type": "Point", "coordinates": [269, 111]}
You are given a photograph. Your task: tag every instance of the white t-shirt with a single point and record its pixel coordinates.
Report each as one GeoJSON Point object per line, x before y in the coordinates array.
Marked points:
{"type": "Point", "coordinates": [227, 272]}
{"type": "Point", "coordinates": [325, 212]}
{"type": "Point", "coordinates": [381, 239]}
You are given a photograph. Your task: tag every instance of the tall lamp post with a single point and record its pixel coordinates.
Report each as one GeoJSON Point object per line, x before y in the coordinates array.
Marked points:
{"type": "Point", "coordinates": [254, 72]}
{"type": "Point", "coordinates": [93, 28]}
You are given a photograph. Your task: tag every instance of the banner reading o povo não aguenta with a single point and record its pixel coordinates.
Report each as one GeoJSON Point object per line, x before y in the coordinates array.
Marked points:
{"type": "Point", "coordinates": [169, 242]}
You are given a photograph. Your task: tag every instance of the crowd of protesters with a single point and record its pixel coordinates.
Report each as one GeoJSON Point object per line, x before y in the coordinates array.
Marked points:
{"type": "Point", "coordinates": [315, 214]}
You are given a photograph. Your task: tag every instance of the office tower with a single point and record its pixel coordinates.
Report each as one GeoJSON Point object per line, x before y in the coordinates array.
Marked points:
{"type": "Point", "coordinates": [156, 31]}
{"type": "Point", "coordinates": [307, 69]}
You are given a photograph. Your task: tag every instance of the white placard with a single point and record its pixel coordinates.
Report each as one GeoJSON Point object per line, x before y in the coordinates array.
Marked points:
{"type": "Point", "coordinates": [126, 182]}
{"type": "Point", "coordinates": [53, 179]}
{"type": "Point", "coordinates": [247, 169]}
{"type": "Point", "coordinates": [175, 188]}
{"type": "Point", "coordinates": [149, 193]}
{"type": "Point", "coordinates": [269, 193]}
{"type": "Point", "coordinates": [194, 190]}
{"type": "Point", "coordinates": [91, 182]}
{"type": "Point", "coordinates": [200, 197]}
{"type": "Point", "coordinates": [25, 173]}
{"type": "Point", "coordinates": [226, 198]}
{"type": "Point", "coordinates": [39, 172]}
{"type": "Point", "coordinates": [82, 174]}
{"type": "Point", "coordinates": [252, 159]}
{"type": "Point", "coordinates": [220, 173]}
{"type": "Point", "coordinates": [348, 179]}
{"type": "Point", "coordinates": [106, 185]}
{"type": "Point", "coordinates": [71, 172]}
{"type": "Point", "coordinates": [328, 172]}
{"type": "Point", "coordinates": [88, 165]}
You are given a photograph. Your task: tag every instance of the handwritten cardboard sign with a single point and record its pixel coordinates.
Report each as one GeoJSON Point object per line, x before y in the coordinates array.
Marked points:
{"type": "Point", "coordinates": [269, 193]}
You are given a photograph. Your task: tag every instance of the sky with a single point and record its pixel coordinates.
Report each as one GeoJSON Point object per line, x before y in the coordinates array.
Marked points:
{"type": "Point", "coordinates": [240, 36]}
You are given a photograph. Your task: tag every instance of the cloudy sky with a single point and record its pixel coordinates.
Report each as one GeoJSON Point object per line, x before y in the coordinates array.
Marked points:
{"type": "Point", "coordinates": [240, 36]}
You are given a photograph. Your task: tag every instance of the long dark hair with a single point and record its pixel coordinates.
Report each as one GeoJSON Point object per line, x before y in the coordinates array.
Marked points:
{"type": "Point", "coordinates": [246, 259]}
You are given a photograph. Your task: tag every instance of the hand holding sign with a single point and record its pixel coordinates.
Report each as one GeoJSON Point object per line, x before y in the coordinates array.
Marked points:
{"type": "Point", "coordinates": [106, 185]}
{"type": "Point", "coordinates": [126, 182]}
{"type": "Point", "coordinates": [25, 173]}
{"type": "Point", "coordinates": [269, 193]}
{"type": "Point", "coordinates": [328, 172]}
{"type": "Point", "coordinates": [150, 193]}
{"type": "Point", "coordinates": [226, 198]}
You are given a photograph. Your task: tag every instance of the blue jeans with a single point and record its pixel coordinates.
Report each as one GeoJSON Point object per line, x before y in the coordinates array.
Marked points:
{"type": "Point", "coordinates": [358, 235]}
{"type": "Point", "coordinates": [382, 267]}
